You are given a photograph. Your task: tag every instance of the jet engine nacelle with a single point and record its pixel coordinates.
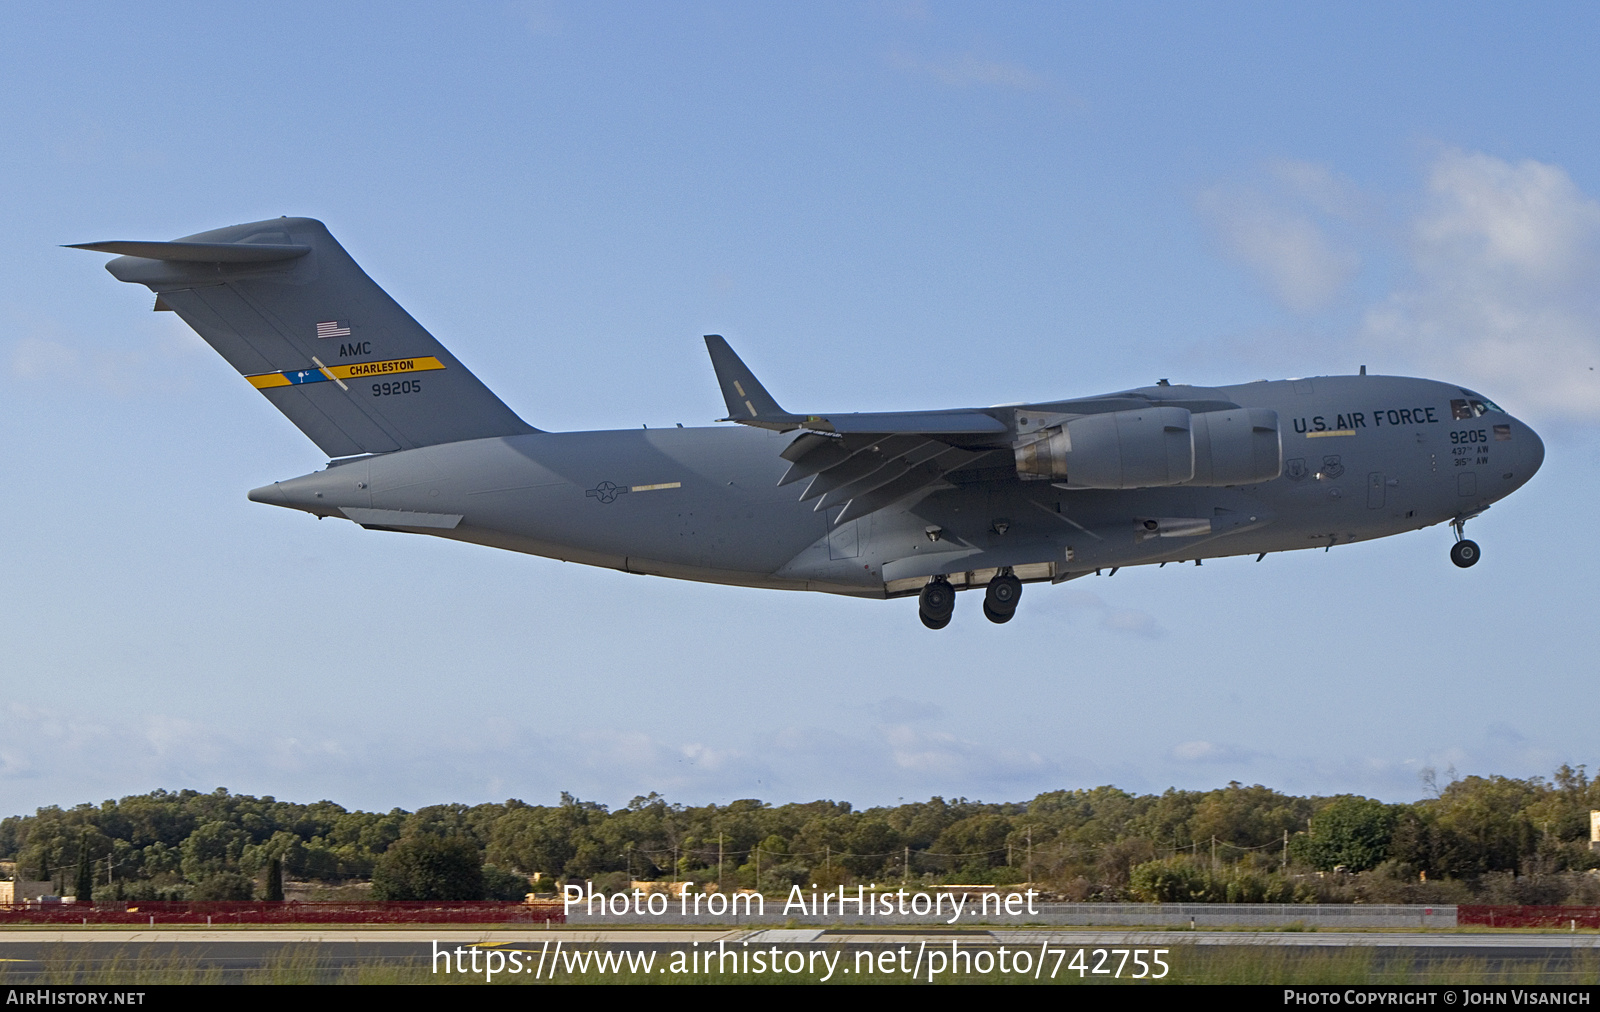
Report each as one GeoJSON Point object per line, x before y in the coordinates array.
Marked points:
{"type": "Point", "coordinates": [1153, 447]}
{"type": "Point", "coordinates": [1239, 447]}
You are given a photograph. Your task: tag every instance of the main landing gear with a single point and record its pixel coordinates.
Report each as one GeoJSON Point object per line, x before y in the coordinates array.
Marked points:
{"type": "Point", "coordinates": [1463, 553]}
{"type": "Point", "coordinates": [1000, 600]}
{"type": "Point", "coordinates": [937, 602]}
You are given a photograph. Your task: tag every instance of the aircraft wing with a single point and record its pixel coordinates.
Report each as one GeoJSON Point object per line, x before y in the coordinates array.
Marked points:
{"type": "Point", "coordinates": [750, 404]}
{"type": "Point", "coordinates": [1143, 438]}
{"type": "Point", "coordinates": [862, 460]}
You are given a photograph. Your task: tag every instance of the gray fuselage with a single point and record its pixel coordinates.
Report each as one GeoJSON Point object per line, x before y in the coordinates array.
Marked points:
{"type": "Point", "coordinates": [1363, 457]}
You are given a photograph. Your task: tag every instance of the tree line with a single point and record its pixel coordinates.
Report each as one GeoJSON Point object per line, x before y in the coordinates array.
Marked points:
{"type": "Point", "coordinates": [1495, 839]}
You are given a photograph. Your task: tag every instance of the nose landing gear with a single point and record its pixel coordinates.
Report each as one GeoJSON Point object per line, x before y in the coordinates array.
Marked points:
{"type": "Point", "coordinates": [1463, 553]}
{"type": "Point", "coordinates": [1000, 599]}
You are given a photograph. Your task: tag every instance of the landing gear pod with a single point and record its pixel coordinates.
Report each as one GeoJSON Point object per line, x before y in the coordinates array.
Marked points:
{"type": "Point", "coordinates": [1000, 599]}
{"type": "Point", "coordinates": [936, 603]}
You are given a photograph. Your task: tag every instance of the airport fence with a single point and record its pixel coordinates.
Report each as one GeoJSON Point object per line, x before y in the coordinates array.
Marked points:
{"type": "Point", "coordinates": [1528, 916]}
{"type": "Point", "coordinates": [224, 913]}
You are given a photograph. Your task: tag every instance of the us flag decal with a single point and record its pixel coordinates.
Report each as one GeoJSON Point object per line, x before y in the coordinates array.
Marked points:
{"type": "Point", "coordinates": [333, 328]}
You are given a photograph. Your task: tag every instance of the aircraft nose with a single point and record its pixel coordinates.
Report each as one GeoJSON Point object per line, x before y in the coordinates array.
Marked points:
{"type": "Point", "coordinates": [1532, 451]}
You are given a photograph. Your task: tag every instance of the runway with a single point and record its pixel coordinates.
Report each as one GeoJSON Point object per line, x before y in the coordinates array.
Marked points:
{"type": "Point", "coordinates": [240, 955]}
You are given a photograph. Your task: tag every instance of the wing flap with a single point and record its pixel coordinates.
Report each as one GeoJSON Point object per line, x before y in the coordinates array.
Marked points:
{"type": "Point", "coordinates": [865, 475]}
{"type": "Point", "coordinates": [811, 453]}
{"type": "Point", "coordinates": [890, 471]}
{"type": "Point", "coordinates": [929, 472]}
{"type": "Point", "coordinates": [868, 458]}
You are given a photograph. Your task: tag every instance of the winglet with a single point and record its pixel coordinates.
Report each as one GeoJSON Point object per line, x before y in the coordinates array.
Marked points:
{"type": "Point", "coordinates": [748, 401]}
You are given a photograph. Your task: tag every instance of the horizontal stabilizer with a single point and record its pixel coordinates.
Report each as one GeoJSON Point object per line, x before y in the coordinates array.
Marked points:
{"type": "Point", "coordinates": [200, 252]}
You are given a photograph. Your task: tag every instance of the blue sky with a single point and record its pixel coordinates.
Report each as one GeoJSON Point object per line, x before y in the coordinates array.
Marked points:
{"type": "Point", "coordinates": [882, 205]}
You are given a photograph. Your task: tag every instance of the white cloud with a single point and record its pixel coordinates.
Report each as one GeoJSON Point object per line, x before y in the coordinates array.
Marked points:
{"type": "Point", "coordinates": [900, 710]}
{"type": "Point", "coordinates": [34, 358]}
{"type": "Point", "coordinates": [908, 10]}
{"type": "Point", "coordinates": [1128, 621]}
{"type": "Point", "coordinates": [945, 757]}
{"type": "Point", "coordinates": [1131, 621]}
{"type": "Point", "coordinates": [967, 71]}
{"type": "Point", "coordinates": [1191, 751]}
{"type": "Point", "coordinates": [1505, 286]}
{"type": "Point", "coordinates": [48, 353]}
{"type": "Point", "coordinates": [1211, 752]}
{"type": "Point", "coordinates": [1318, 185]}
{"type": "Point", "coordinates": [538, 16]}
{"type": "Point", "coordinates": [1277, 237]}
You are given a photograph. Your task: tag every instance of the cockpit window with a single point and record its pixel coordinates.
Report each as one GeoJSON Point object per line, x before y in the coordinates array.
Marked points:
{"type": "Point", "coordinates": [1474, 406]}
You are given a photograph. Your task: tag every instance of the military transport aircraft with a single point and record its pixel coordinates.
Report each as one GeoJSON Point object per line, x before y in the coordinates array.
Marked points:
{"type": "Point", "coordinates": [879, 504]}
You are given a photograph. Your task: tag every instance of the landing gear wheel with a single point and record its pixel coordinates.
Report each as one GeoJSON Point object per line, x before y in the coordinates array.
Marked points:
{"type": "Point", "coordinates": [1000, 600]}
{"type": "Point", "coordinates": [1464, 553]}
{"type": "Point", "coordinates": [936, 603]}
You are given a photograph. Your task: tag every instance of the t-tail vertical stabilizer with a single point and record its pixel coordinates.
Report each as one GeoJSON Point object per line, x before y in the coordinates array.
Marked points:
{"type": "Point", "coordinates": [284, 303]}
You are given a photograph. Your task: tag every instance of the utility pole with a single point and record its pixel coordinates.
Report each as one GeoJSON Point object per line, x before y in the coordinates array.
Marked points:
{"type": "Point", "coordinates": [719, 860]}
{"type": "Point", "coordinates": [905, 873]}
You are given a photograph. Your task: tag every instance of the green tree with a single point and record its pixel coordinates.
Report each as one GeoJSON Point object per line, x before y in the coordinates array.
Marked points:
{"type": "Point", "coordinates": [973, 845]}
{"type": "Point", "coordinates": [84, 889]}
{"type": "Point", "coordinates": [273, 893]}
{"type": "Point", "coordinates": [1248, 817]}
{"type": "Point", "coordinates": [1350, 832]}
{"type": "Point", "coordinates": [532, 840]}
{"type": "Point", "coordinates": [223, 885]}
{"type": "Point", "coordinates": [429, 867]}
{"type": "Point", "coordinates": [1170, 880]}
{"type": "Point", "coordinates": [500, 884]}
{"type": "Point", "coordinates": [1480, 824]}
{"type": "Point", "coordinates": [871, 845]}
{"type": "Point", "coordinates": [214, 846]}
